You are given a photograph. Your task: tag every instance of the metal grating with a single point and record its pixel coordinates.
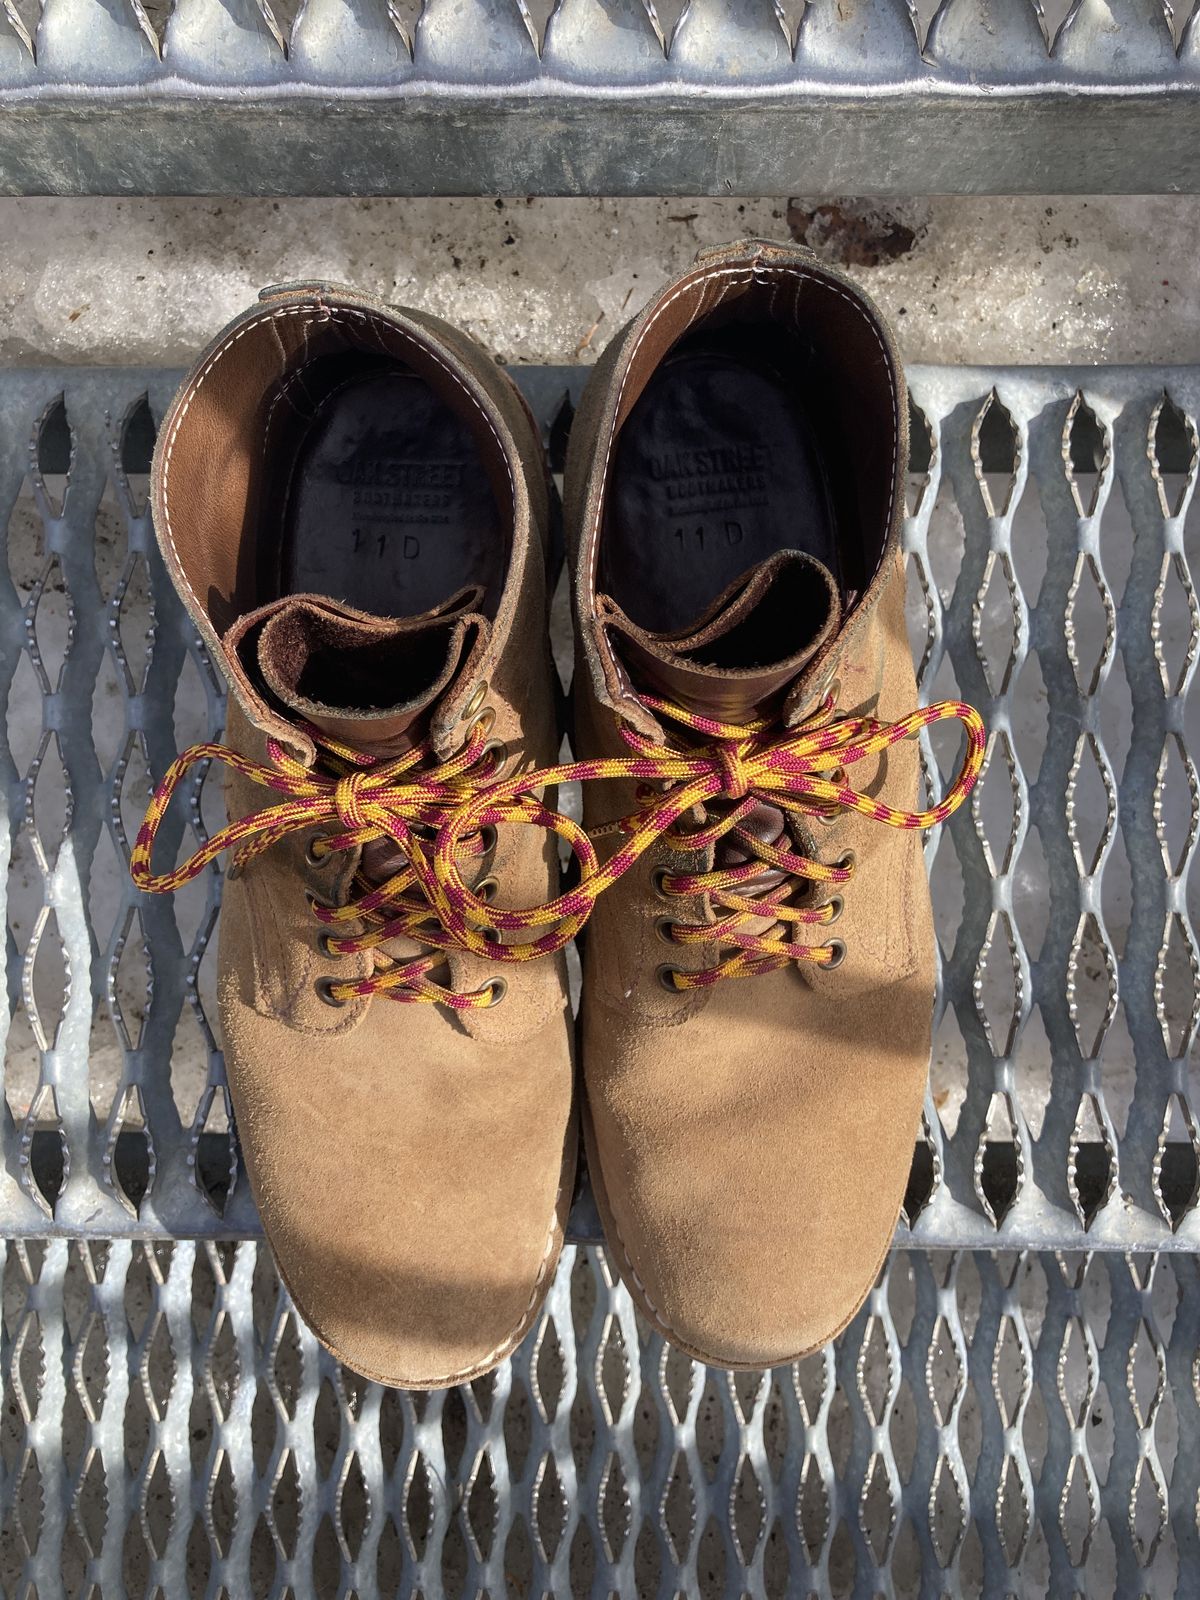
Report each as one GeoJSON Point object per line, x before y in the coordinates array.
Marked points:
{"type": "Point", "coordinates": [1050, 585]}
{"type": "Point", "coordinates": [607, 97]}
{"type": "Point", "coordinates": [1012, 1425]}
{"type": "Point", "coordinates": [1014, 1414]}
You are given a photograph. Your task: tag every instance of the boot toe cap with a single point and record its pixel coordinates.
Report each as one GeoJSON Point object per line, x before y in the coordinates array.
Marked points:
{"type": "Point", "coordinates": [415, 1213]}
{"type": "Point", "coordinates": [743, 1294]}
{"type": "Point", "coordinates": [750, 1203]}
{"type": "Point", "coordinates": [406, 1324]}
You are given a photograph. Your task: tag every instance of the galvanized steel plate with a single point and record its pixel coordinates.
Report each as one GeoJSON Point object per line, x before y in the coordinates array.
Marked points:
{"type": "Point", "coordinates": [219, 97]}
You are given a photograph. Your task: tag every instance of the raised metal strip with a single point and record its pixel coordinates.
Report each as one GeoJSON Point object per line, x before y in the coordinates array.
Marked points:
{"type": "Point", "coordinates": [1018, 1424]}
{"type": "Point", "coordinates": [858, 99]}
{"type": "Point", "coordinates": [1049, 549]}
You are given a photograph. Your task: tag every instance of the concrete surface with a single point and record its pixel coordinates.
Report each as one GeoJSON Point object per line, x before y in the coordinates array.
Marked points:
{"type": "Point", "coordinates": [1013, 280]}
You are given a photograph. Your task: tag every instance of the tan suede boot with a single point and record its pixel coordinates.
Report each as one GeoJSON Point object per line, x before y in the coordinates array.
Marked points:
{"type": "Point", "coordinates": [352, 503]}
{"type": "Point", "coordinates": [759, 968]}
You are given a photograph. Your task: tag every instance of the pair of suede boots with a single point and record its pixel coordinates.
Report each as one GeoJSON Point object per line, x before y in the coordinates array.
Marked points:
{"type": "Point", "coordinates": [353, 504]}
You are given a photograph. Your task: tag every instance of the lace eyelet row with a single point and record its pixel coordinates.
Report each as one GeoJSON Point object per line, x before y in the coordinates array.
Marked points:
{"type": "Point", "coordinates": [664, 927]}
{"type": "Point", "coordinates": [351, 801]}
{"type": "Point", "coordinates": [320, 860]}
{"type": "Point", "coordinates": [497, 987]}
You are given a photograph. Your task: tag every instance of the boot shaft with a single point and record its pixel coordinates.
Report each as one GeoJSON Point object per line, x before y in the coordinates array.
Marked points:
{"type": "Point", "coordinates": [734, 488]}
{"type": "Point", "coordinates": [351, 502]}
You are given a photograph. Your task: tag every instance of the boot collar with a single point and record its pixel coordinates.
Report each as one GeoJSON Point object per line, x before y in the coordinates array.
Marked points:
{"type": "Point", "coordinates": [202, 485]}
{"type": "Point", "coordinates": [794, 276]}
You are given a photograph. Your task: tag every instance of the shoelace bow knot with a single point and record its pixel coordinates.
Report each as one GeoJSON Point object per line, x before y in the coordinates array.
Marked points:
{"type": "Point", "coordinates": [800, 771]}
{"type": "Point", "coordinates": [365, 799]}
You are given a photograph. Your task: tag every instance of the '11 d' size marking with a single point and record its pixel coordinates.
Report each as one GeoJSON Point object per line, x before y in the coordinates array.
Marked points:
{"type": "Point", "coordinates": [731, 532]}
{"type": "Point", "coordinates": [410, 549]}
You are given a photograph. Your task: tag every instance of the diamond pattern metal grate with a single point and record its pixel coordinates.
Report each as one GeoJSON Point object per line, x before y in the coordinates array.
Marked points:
{"type": "Point", "coordinates": [1021, 1421]}
{"type": "Point", "coordinates": [998, 1425]}
{"type": "Point", "coordinates": [707, 97]}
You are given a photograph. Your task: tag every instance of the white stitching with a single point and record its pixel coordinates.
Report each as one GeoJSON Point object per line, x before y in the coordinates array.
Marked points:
{"type": "Point", "coordinates": [292, 311]}
{"type": "Point", "coordinates": [745, 275]}
{"type": "Point", "coordinates": [726, 290]}
{"type": "Point", "coordinates": [293, 380]}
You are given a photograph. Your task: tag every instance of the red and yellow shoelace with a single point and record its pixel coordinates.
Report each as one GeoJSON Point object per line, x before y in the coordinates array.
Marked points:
{"type": "Point", "coordinates": [437, 812]}
{"type": "Point", "coordinates": [363, 799]}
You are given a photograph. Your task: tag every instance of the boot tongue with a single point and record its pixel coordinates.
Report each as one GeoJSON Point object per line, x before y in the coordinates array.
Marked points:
{"type": "Point", "coordinates": [735, 659]}
{"type": "Point", "coordinates": [749, 645]}
{"type": "Point", "coordinates": [341, 670]}
{"type": "Point", "coordinates": [366, 681]}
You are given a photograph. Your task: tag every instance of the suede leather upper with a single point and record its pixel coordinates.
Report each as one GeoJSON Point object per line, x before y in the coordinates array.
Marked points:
{"type": "Point", "coordinates": [412, 1165]}
{"type": "Point", "coordinates": [749, 1142]}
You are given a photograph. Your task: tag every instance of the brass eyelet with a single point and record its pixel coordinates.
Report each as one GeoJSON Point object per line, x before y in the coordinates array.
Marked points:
{"type": "Point", "coordinates": [848, 861]}
{"type": "Point", "coordinates": [324, 988]}
{"type": "Point", "coordinates": [323, 945]}
{"type": "Point", "coordinates": [315, 903]}
{"type": "Point", "coordinates": [666, 979]}
{"type": "Point", "coordinates": [834, 690]}
{"type": "Point", "coordinates": [498, 750]}
{"type": "Point", "coordinates": [487, 837]}
{"type": "Point", "coordinates": [836, 906]}
{"type": "Point", "coordinates": [828, 818]}
{"type": "Point", "coordinates": [484, 722]}
{"type": "Point", "coordinates": [486, 888]}
{"type": "Point", "coordinates": [474, 703]}
{"type": "Point", "coordinates": [658, 882]}
{"type": "Point", "coordinates": [837, 950]}
{"type": "Point", "coordinates": [664, 927]}
{"type": "Point", "coordinates": [498, 988]}
{"type": "Point", "coordinates": [311, 856]}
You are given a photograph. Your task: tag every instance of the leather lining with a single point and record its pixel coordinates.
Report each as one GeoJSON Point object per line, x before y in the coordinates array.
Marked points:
{"type": "Point", "coordinates": [717, 469]}
{"type": "Point", "coordinates": [232, 470]}
{"type": "Point", "coordinates": [388, 506]}
{"type": "Point", "coordinates": [849, 375]}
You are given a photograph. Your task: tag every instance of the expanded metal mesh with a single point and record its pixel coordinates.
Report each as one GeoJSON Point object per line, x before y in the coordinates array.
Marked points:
{"type": "Point", "coordinates": [1021, 1422]}
{"type": "Point", "coordinates": [1021, 1425]}
{"type": "Point", "coordinates": [1050, 585]}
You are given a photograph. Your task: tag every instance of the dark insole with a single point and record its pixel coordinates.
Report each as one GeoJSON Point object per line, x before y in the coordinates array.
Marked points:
{"type": "Point", "coordinates": [389, 507]}
{"type": "Point", "coordinates": [717, 468]}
